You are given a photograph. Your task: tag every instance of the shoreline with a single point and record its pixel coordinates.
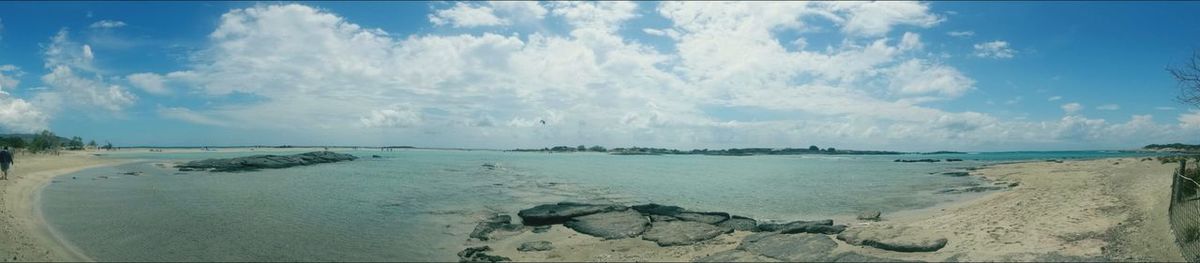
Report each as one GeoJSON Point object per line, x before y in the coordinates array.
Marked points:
{"type": "Point", "coordinates": [27, 236]}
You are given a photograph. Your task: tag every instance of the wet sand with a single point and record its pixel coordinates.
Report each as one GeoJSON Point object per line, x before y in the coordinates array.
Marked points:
{"type": "Point", "coordinates": [1108, 209]}
{"type": "Point", "coordinates": [24, 235]}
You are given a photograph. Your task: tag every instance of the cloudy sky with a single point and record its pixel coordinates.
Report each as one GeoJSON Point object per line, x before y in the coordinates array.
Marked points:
{"type": "Point", "coordinates": [853, 75]}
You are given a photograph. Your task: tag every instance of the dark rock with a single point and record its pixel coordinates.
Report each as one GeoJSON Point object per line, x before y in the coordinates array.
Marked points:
{"type": "Point", "coordinates": [739, 223]}
{"type": "Point", "coordinates": [657, 209]}
{"type": "Point", "coordinates": [813, 229]}
{"type": "Point", "coordinates": [734, 256]}
{"type": "Point", "coordinates": [256, 162]}
{"type": "Point", "coordinates": [956, 174]}
{"type": "Point", "coordinates": [856, 257]}
{"type": "Point", "coordinates": [610, 225]}
{"type": "Point", "coordinates": [479, 254]}
{"type": "Point", "coordinates": [132, 173]}
{"type": "Point", "coordinates": [484, 230]}
{"type": "Point", "coordinates": [541, 229]}
{"type": "Point", "coordinates": [489, 166]}
{"type": "Point", "coordinates": [676, 233]}
{"type": "Point", "coordinates": [900, 239]}
{"type": "Point", "coordinates": [772, 227]}
{"type": "Point", "coordinates": [711, 218]}
{"type": "Point", "coordinates": [535, 246]}
{"type": "Point", "coordinates": [872, 215]}
{"type": "Point", "coordinates": [791, 248]}
{"type": "Point", "coordinates": [972, 189]}
{"type": "Point", "coordinates": [918, 161]}
{"type": "Point", "coordinates": [662, 218]}
{"type": "Point", "coordinates": [953, 160]}
{"type": "Point", "coordinates": [549, 214]}
{"type": "Point", "coordinates": [376, 156]}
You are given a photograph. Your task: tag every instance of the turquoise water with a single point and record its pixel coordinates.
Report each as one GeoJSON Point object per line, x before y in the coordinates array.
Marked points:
{"type": "Point", "coordinates": [419, 205]}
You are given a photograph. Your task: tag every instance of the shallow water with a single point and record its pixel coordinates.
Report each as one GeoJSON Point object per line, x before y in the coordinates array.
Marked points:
{"type": "Point", "coordinates": [419, 205]}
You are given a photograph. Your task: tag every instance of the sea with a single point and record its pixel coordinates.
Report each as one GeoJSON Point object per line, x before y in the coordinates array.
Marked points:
{"type": "Point", "coordinates": [420, 204]}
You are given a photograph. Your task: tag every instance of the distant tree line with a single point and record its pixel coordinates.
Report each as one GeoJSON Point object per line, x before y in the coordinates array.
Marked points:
{"type": "Point", "coordinates": [48, 142]}
{"type": "Point", "coordinates": [1174, 146]}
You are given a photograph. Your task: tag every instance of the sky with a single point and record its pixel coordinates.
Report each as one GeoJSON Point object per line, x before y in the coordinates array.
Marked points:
{"type": "Point", "coordinates": [911, 76]}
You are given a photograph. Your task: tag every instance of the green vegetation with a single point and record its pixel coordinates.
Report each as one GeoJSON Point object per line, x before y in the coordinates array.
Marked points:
{"type": "Point", "coordinates": [1178, 147]}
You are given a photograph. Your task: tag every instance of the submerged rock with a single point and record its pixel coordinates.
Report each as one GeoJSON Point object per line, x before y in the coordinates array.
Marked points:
{"type": "Point", "coordinates": [549, 214]}
{"type": "Point", "coordinates": [872, 215]}
{"type": "Point", "coordinates": [479, 254]}
{"type": "Point", "coordinates": [541, 229]}
{"type": "Point", "coordinates": [657, 209]}
{"type": "Point", "coordinates": [956, 174]}
{"type": "Point", "coordinates": [971, 189]}
{"type": "Point", "coordinates": [484, 230]}
{"type": "Point", "coordinates": [711, 218]}
{"type": "Point", "coordinates": [610, 225]}
{"type": "Point", "coordinates": [676, 233]}
{"type": "Point", "coordinates": [814, 229]}
{"type": "Point", "coordinates": [790, 248]}
{"type": "Point", "coordinates": [772, 227]}
{"type": "Point", "coordinates": [917, 161]}
{"type": "Point", "coordinates": [535, 246]}
{"type": "Point", "coordinates": [256, 162]}
{"type": "Point", "coordinates": [739, 223]}
{"type": "Point", "coordinates": [900, 239]}
{"type": "Point", "coordinates": [734, 256]}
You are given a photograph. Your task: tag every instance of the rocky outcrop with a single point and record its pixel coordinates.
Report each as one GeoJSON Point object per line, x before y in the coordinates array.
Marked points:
{"type": "Point", "coordinates": [917, 161]}
{"type": "Point", "coordinates": [711, 218]}
{"type": "Point", "coordinates": [739, 223]}
{"type": "Point", "coordinates": [900, 239]}
{"type": "Point", "coordinates": [789, 247]}
{"type": "Point", "coordinates": [479, 254]}
{"type": "Point", "coordinates": [872, 215]}
{"type": "Point", "coordinates": [535, 246]}
{"type": "Point", "coordinates": [676, 233]}
{"type": "Point", "coordinates": [734, 256]}
{"type": "Point", "coordinates": [496, 224]}
{"type": "Point", "coordinates": [814, 229]}
{"type": "Point", "coordinates": [559, 213]}
{"type": "Point", "coordinates": [772, 227]}
{"type": "Point", "coordinates": [610, 225]}
{"type": "Point", "coordinates": [257, 162]}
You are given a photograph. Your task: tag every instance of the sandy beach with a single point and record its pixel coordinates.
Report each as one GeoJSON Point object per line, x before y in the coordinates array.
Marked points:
{"type": "Point", "coordinates": [23, 233]}
{"type": "Point", "coordinates": [1095, 210]}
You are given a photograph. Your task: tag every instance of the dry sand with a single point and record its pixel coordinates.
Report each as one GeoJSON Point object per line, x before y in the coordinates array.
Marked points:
{"type": "Point", "coordinates": [24, 235]}
{"type": "Point", "coordinates": [1110, 209]}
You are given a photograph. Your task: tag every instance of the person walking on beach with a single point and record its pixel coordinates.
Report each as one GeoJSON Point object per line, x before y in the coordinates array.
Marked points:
{"type": "Point", "coordinates": [6, 160]}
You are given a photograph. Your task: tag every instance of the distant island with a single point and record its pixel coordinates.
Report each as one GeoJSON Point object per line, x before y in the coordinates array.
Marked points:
{"type": "Point", "coordinates": [1173, 147]}
{"type": "Point", "coordinates": [724, 152]}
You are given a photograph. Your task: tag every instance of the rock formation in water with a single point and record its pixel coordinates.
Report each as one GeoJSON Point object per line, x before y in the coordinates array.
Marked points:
{"type": "Point", "coordinates": [257, 162]}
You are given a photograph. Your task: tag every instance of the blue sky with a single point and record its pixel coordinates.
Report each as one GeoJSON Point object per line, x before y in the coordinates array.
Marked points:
{"type": "Point", "coordinates": [860, 75]}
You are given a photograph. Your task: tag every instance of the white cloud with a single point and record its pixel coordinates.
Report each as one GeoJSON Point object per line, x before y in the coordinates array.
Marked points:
{"type": "Point", "coordinates": [996, 49]}
{"type": "Point", "coordinates": [916, 77]}
{"type": "Point", "coordinates": [878, 17]}
{"type": "Point", "coordinates": [106, 24]}
{"type": "Point", "coordinates": [17, 115]}
{"type": "Point", "coordinates": [962, 34]}
{"type": "Point", "coordinates": [88, 91]}
{"type": "Point", "coordinates": [1108, 107]}
{"type": "Point", "coordinates": [149, 82]}
{"type": "Point", "coordinates": [1072, 108]}
{"type": "Point", "coordinates": [594, 86]}
{"type": "Point", "coordinates": [1054, 98]}
{"type": "Point", "coordinates": [8, 77]}
{"type": "Point", "coordinates": [188, 115]}
{"type": "Point", "coordinates": [466, 15]}
{"type": "Point", "coordinates": [397, 116]}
